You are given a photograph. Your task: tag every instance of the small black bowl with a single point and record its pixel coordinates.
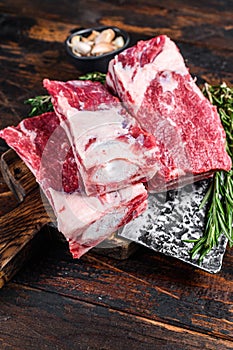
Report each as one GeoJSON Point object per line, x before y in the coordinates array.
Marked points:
{"type": "Point", "coordinates": [86, 64]}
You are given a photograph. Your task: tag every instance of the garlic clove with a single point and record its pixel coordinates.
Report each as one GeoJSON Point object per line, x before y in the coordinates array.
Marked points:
{"type": "Point", "coordinates": [118, 42]}
{"type": "Point", "coordinates": [75, 39]}
{"type": "Point", "coordinates": [93, 35]}
{"type": "Point", "coordinates": [90, 43]}
{"type": "Point", "coordinates": [102, 48]}
{"type": "Point", "coordinates": [76, 53]}
{"type": "Point", "coordinates": [85, 40]}
{"type": "Point", "coordinates": [81, 48]}
{"type": "Point", "coordinates": [106, 36]}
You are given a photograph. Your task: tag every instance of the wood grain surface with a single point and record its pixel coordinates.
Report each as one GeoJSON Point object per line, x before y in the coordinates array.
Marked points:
{"type": "Point", "coordinates": [148, 301]}
{"type": "Point", "coordinates": [68, 323]}
{"type": "Point", "coordinates": [17, 175]}
{"type": "Point", "coordinates": [19, 226]}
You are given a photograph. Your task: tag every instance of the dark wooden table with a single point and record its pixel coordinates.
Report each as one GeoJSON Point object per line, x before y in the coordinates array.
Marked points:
{"type": "Point", "coordinates": [148, 301]}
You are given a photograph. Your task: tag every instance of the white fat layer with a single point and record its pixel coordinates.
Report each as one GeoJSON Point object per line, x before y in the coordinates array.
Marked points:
{"type": "Point", "coordinates": [109, 80]}
{"type": "Point", "coordinates": [168, 60]}
{"type": "Point", "coordinates": [196, 89]}
{"type": "Point", "coordinates": [104, 227]}
{"type": "Point", "coordinates": [32, 134]}
{"type": "Point", "coordinates": [75, 212]}
{"type": "Point", "coordinates": [177, 173]}
{"type": "Point", "coordinates": [115, 171]}
{"type": "Point", "coordinates": [171, 121]}
{"type": "Point", "coordinates": [98, 122]}
{"type": "Point", "coordinates": [79, 83]}
{"type": "Point", "coordinates": [103, 152]}
{"type": "Point", "coordinates": [104, 127]}
{"type": "Point", "coordinates": [167, 82]}
{"type": "Point", "coordinates": [94, 138]}
{"type": "Point", "coordinates": [64, 107]}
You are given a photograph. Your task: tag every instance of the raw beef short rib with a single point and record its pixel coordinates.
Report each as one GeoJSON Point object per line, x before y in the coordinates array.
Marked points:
{"type": "Point", "coordinates": [84, 220]}
{"type": "Point", "coordinates": [170, 105]}
{"type": "Point", "coordinates": [111, 149]}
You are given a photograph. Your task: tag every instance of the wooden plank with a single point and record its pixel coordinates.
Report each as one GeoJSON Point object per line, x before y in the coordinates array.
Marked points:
{"type": "Point", "coordinates": [147, 284]}
{"type": "Point", "coordinates": [53, 321]}
{"type": "Point", "coordinates": [17, 229]}
{"type": "Point", "coordinates": [33, 47]}
{"type": "Point", "coordinates": [21, 223]}
{"type": "Point", "coordinates": [208, 24]}
{"type": "Point", "coordinates": [6, 197]}
{"type": "Point", "coordinates": [17, 175]}
{"type": "Point", "coordinates": [164, 303]}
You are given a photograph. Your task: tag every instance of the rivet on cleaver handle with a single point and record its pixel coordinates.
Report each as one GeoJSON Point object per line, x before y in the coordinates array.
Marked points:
{"type": "Point", "coordinates": [19, 226]}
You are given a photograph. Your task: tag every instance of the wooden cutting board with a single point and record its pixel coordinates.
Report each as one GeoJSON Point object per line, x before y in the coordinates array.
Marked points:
{"type": "Point", "coordinates": [19, 228]}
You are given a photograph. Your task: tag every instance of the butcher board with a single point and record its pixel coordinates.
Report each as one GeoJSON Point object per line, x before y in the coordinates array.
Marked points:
{"type": "Point", "coordinates": [22, 228]}
{"type": "Point", "coordinates": [170, 219]}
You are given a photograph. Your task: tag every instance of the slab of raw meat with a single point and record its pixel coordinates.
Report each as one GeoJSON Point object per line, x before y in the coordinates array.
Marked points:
{"type": "Point", "coordinates": [85, 221]}
{"type": "Point", "coordinates": [44, 147]}
{"type": "Point", "coordinates": [111, 149]}
{"type": "Point", "coordinates": [170, 105]}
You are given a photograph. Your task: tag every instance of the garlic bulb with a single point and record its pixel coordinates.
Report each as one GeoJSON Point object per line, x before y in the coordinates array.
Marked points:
{"type": "Point", "coordinates": [96, 43]}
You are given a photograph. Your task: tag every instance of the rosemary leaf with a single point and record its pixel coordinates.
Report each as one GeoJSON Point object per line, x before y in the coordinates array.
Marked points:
{"type": "Point", "coordinates": [94, 76]}
{"type": "Point", "coordinates": [39, 104]}
{"type": "Point", "coordinates": [219, 197]}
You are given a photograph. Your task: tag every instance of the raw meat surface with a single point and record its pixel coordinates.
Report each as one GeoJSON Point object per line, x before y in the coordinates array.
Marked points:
{"type": "Point", "coordinates": [85, 221]}
{"type": "Point", "coordinates": [45, 148]}
{"type": "Point", "coordinates": [170, 106]}
{"type": "Point", "coordinates": [111, 149]}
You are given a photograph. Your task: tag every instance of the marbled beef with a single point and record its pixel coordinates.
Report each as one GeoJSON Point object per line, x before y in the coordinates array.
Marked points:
{"type": "Point", "coordinates": [153, 82]}
{"type": "Point", "coordinates": [111, 149]}
{"type": "Point", "coordinates": [84, 220]}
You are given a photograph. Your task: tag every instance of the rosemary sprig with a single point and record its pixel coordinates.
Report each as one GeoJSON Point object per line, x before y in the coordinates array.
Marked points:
{"type": "Point", "coordinates": [95, 76]}
{"type": "Point", "coordinates": [219, 197]}
{"type": "Point", "coordinates": [39, 105]}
